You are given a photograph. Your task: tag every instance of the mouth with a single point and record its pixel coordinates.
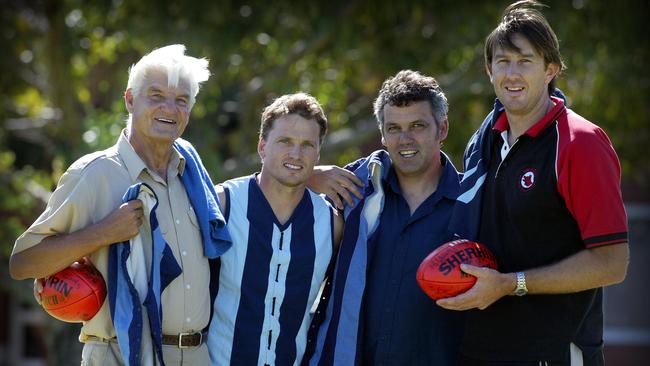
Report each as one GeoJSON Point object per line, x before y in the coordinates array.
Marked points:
{"type": "Point", "coordinates": [165, 120]}
{"type": "Point", "coordinates": [512, 89]}
{"type": "Point", "coordinates": [407, 154]}
{"type": "Point", "coordinates": [292, 166]}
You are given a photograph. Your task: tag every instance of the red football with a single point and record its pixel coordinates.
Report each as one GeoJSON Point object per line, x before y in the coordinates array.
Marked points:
{"type": "Point", "coordinates": [75, 294]}
{"type": "Point", "coordinates": [439, 274]}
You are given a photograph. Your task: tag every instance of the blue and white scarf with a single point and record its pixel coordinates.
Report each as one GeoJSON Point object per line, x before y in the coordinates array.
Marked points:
{"type": "Point", "coordinates": [124, 300]}
{"type": "Point", "coordinates": [338, 336]}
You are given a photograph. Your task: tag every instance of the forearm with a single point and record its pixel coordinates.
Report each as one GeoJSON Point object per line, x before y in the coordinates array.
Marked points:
{"type": "Point", "coordinates": [55, 253]}
{"type": "Point", "coordinates": [587, 269]}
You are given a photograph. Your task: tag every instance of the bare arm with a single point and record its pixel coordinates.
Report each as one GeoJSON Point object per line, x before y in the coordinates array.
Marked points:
{"type": "Point", "coordinates": [336, 183]}
{"type": "Point", "coordinates": [58, 251]}
{"type": "Point", "coordinates": [587, 269]}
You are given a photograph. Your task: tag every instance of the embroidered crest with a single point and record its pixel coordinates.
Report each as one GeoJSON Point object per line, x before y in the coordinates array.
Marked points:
{"type": "Point", "coordinates": [527, 179]}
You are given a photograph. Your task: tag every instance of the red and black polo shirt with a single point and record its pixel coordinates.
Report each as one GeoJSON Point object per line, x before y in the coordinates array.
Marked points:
{"type": "Point", "coordinates": [556, 192]}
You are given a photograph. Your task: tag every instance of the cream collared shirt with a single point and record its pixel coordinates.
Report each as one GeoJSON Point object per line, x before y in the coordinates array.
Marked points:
{"type": "Point", "coordinates": [93, 187]}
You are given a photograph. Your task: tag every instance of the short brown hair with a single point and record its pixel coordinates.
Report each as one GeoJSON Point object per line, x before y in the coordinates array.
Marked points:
{"type": "Point", "coordinates": [523, 18]}
{"type": "Point", "coordinates": [301, 104]}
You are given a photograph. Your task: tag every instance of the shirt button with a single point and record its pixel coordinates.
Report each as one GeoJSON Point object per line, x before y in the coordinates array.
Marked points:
{"type": "Point", "coordinates": [188, 286]}
{"type": "Point", "coordinates": [188, 319]}
{"type": "Point", "coordinates": [184, 253]}
{"type": "Point", "coordinates": [178, 222]}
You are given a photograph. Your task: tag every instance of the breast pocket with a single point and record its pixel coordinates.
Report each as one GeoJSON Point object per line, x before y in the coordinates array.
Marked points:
{"type": "Point", "coordinates": [192, 217]}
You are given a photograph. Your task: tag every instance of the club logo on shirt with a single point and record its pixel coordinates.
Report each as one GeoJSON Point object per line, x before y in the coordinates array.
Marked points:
{"type": "Point", "coordinates": [527, 179]}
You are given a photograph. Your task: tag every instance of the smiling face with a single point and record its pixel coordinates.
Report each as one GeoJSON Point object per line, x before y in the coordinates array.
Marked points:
{"type": "Point", "coordinates": [413, 139]}
{"type": "Point", "coordinates": [290, 150]}
{"type": "Point", "coordinates": [521, 78]}
{"type": "Point", "coordinates": [159, 113]}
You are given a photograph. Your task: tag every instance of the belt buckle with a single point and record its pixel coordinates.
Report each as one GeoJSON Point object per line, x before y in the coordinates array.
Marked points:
{"type": "Point", "coordinates": [180, 339]}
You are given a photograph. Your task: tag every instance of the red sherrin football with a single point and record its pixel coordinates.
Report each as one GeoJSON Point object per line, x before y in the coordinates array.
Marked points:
{"type": "Point", "coordinates": [75, 294]}
{"type": "Point", "coordinates": [439, 274]}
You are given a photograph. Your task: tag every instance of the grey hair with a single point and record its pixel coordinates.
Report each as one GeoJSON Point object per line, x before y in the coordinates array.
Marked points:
{"type": "Point", "coordinates": [175, 64]}
{"type": "Point", "coordinates": [409, 86]}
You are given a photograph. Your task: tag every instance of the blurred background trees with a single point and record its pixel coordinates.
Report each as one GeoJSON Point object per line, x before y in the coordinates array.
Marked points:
{"type": "Point", "coordinates": [64, 69]}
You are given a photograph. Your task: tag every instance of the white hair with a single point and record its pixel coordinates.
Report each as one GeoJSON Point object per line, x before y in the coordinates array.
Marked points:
{"type": "Point", "coordinates": [175, 64]}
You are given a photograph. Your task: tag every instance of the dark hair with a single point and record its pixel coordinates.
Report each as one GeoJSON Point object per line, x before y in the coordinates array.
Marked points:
{"type": "Point", "coordinates": [301, 104]}
{"type": "Point", "coordinates": [409, 86]}
{"type": "Point", "coordinates": [523, 18]}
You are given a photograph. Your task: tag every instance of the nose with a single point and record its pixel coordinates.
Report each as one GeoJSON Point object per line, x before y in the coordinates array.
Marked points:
{"type": "Point", "coordinates": [405, 136]}
{"type": "Point", "coordinates": [295, 151]}
{"type": "Point", "coordinates": [513, 69]}
{"type": "Point", "coordinates": [169, 104]}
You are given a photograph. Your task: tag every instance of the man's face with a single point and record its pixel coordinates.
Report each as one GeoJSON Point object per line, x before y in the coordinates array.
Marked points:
{"type": "Point", "coordinates": [412, 138]}
{"type": "Point", "coordinates": [159, 112]}
{"type": "Point", "coordinates": [290, 150]}
{"type": "Point", "coordinates": [520, 79]}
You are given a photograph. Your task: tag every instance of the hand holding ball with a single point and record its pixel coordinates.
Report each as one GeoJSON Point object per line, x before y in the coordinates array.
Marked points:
{"type": "Point", "coordinates": [74, 294]}
{"type": "Point", "coordinates": [439, 274]}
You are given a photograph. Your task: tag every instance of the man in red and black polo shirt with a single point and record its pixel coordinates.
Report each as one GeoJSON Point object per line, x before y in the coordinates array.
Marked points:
{"type": "Point", "coordinates": [542, 191]}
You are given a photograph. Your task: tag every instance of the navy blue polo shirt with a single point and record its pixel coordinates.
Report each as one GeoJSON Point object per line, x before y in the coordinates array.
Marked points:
{"type": "Point", "coordinates": [401, 324]}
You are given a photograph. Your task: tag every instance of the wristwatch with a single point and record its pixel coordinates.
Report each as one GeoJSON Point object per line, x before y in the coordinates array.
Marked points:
{"type": "Point", "coordinates": [521, 289]}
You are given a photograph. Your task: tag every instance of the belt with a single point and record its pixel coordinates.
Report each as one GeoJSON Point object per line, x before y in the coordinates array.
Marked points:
{"type": "Point", "coordinates": [182, 340]}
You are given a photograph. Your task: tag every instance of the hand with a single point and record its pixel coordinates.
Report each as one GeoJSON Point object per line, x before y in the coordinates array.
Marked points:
{"type": "Point", "coordinates": [336, 183]}
{"type": "Point", "coordinates": [490, 286]}
{"type": "Point", "coordinates": [121, 224]}
{"type": "Point", "coordinates": [38, 289]}
{"type": "Point", "coordinates": [39, 283]}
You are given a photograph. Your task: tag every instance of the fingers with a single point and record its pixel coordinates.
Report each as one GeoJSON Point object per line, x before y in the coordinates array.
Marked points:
{"type": "Point", "coordinates": [38, 289]}
{"type": "Point", "coordinates": [353, 179]}
{"type": "Point", "coordinates": [472, 270]}
{"type": "Point", "coordinates": [137, 209]}
{"type": "Point", "coordinates": [336, 199]}
{"type": "Point", "coordinates": [344, 193]}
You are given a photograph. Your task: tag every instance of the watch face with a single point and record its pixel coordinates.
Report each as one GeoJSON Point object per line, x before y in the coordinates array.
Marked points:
{"type": "Point", "coordinates": [521, 292]}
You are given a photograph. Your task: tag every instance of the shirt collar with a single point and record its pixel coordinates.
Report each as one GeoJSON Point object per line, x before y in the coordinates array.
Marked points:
{"type": "Point", "coordinates": [135, 165]}
{"type": "Point", "coordinates": [534, 130]}
{"type": "Point", "coordinates": [448, 185]}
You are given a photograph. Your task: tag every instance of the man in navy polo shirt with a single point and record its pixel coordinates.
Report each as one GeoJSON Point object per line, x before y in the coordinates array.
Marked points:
{"type": "Point", "coordinates": [542, 191]}
{"type": "Point", "coordinates": [377, 314]}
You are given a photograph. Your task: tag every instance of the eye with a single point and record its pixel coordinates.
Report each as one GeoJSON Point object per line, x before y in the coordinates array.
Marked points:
{"type": "Point", "coordinates": [392, 129]}
{"type": "Point", "coordinates": [182, 102]}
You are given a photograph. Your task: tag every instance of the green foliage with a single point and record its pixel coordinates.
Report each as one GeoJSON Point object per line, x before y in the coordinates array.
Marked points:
{"type": "Point", "coordinates": [66, 68]}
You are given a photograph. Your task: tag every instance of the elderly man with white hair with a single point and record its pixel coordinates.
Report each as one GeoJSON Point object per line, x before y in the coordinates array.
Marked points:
{"type": "Point", "coordinates": [145, 213]}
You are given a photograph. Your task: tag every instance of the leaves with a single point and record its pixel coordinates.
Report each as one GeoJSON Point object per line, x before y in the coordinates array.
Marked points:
{"type": "Point", "coordinates": [67, 66]}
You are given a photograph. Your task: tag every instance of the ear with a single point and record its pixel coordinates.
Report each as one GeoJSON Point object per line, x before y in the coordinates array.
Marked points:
{"type": "Point", "coordinates": [443, 130]}
{"type": "Point", "coordinates": [128, 100]}
{"type": "Point", "coordinates": [261, 144]}
{"type": "Point", "coordinates": [551, 71]}
{"type": "Point", "coordinates": [488, 71]}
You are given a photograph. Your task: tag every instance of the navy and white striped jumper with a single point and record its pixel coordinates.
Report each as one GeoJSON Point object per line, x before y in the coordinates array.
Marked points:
{"type": "Point", "coordinates": [269, 279]}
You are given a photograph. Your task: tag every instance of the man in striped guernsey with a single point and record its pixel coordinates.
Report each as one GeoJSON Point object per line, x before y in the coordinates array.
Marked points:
{"type": "Point", "coordinates": [283, 239]}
